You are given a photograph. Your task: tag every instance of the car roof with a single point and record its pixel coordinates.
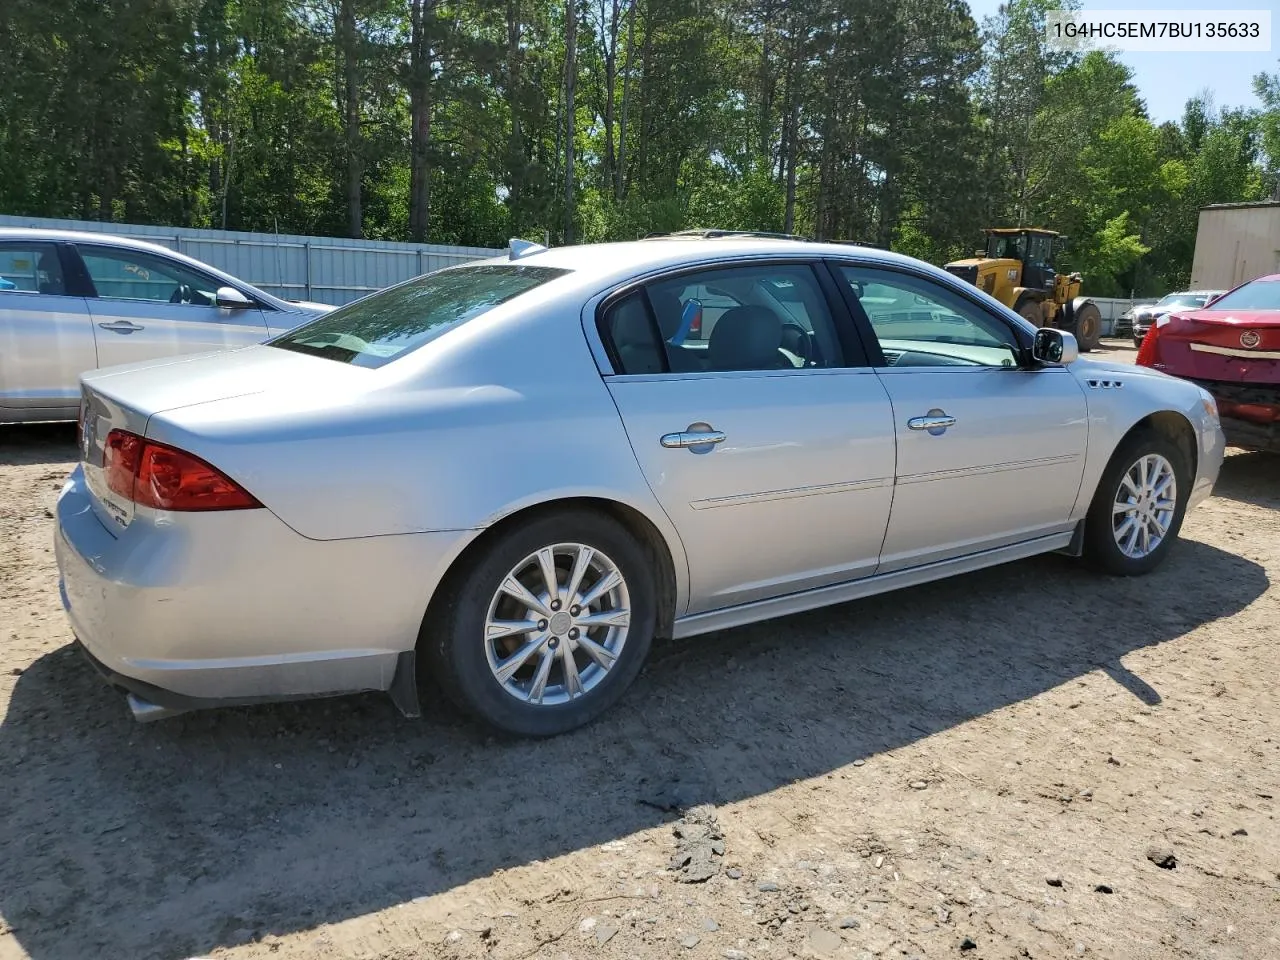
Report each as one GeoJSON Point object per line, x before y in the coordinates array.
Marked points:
{"type": "Point", "coordinates": [638, 257]}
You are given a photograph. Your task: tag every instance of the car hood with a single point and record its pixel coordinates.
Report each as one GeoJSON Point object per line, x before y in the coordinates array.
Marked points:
{"type": "Point", "coordinates": [310, 306]}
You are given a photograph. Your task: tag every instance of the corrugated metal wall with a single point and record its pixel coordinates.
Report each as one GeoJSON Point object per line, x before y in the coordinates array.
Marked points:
{"type": "Point", "coordinates": [325, 269]}
{"type": "Point", "coordinates": [1235, 244]}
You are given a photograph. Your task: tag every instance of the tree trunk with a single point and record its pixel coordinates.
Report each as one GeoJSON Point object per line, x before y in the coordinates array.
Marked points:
{"type": "Point", "coordinates": [419, 120]}
{"type": "Point", "coordinates": [571, 125]}
{"type": "Point", "coordinates": [348, 38]}
{"type": "Point", "coordinates": [610, 83]}
{"type": "Point", "coordinates": [515, 144]}
{"type": "Point", "coordinates": [620, 180]}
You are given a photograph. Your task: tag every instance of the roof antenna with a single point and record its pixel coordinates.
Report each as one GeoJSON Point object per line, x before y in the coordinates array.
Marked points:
{"type": "Point", "coordinates": [518, 248]}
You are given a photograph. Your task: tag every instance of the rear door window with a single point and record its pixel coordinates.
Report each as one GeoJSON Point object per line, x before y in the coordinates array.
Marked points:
{"type": "Point", "coordinates": [31, 268]}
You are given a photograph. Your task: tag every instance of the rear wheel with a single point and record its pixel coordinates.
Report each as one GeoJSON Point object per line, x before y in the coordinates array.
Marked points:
{"type": "Point", "coordinates": [548, 627]}
{"type": "Point", "coordinates": [1088, 327]}
{"type": "Point", "coordinates": [1138, 507]}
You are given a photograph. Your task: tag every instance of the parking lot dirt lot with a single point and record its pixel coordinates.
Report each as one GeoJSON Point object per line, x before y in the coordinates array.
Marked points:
{"type": "Point", "coordinates": [1033, 761]}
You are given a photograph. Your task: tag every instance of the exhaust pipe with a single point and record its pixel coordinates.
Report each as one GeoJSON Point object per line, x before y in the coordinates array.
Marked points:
{"type": "Point", "coordinates": [144, 711]}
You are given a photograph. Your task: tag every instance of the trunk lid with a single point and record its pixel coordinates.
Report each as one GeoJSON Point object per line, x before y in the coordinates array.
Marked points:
{"type": "Point", "coordinates": [126, 397]}
{"type": "Point", "coordinates": [1232, 346]}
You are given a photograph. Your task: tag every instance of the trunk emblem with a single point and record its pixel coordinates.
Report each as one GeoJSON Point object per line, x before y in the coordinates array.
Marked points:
{"type": "Point", "coordinates": [1250, 339]}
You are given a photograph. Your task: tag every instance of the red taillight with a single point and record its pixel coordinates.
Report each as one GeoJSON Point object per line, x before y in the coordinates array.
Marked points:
{"type": "Point", "coordinates": [1147, 352]}
{"type": "Point", "coordinates": [166, 478]}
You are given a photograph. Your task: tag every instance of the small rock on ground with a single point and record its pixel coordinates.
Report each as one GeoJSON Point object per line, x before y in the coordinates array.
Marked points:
{"type": "Point", "coordinates": [1162, 857]}
{"type": "Point", "coordinates": [849, 923]}
{"type": "Point", "coordinates": [605, 931]}
{"type": "Point", "coordinates": [690, 942]}
{"type": "Point", "coordinates": [767, 886]}
{"type": "Point", "coordinates": [1053, 880]}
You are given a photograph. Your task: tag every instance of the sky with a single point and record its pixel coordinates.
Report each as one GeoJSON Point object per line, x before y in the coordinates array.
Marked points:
{"type": "Point", "coordinates": [1166, 81]}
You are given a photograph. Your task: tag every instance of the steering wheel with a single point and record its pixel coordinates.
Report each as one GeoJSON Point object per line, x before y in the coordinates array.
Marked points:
{"type": "Point", "coordinates": [796, 339]}
{"type": "Point", "coordinates": [181, 294]}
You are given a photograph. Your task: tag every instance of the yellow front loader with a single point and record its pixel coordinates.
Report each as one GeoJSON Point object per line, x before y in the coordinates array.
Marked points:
{"type": "Point", "coordinates": [1017, 269]}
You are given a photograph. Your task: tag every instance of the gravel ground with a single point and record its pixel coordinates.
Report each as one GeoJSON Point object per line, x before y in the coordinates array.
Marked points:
{"type": "Point", "coordinates": [1028, 762]}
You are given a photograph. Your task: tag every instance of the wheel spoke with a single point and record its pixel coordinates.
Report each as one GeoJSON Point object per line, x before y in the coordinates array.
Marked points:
{"type": "Point", "coordinates": [1123, 530]}
{"type": "Point", "coordinates": [1163, 485]}
{"type": "Point", "coordinates": [509, 667]}
{"type": "Point", "coordinates": [1122, 508]}
{"type": "Point", "coordinates": [572, 682]}
{"type": "Point", "coordinates": [515, 588]}
{"type": "Point", "coordinates": [1132, 542]}
{"type": "Point", "coordinates": [601, 655]}
{"type": "Point", "coordinates": [603, 586]}
{"type": "Point", "coordinates": [1129, 485]}
{"type": "Point", "coordinates": [1165, 505]}
{"type": "Point", "coordinates": [497, 629]}
{"type": "Point", "coordinates": [539, 685]}
{"type": "Point", "coordinates": [1144, 465]}
{"type": "Point", "coordinates": [1145, 531]}
{"type": "Point", "coordinates": [1162, 526]}
{"type": "Point", "coordinates": [547, 562]}
{"type": "Point", "coordinates": [606, 618]}
{"type": "Point", "coordinates": [581, 563]}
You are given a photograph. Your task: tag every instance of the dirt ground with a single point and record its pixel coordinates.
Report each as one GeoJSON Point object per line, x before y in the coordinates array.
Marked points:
{"type": "Point", "coordinates": [1028, 762]}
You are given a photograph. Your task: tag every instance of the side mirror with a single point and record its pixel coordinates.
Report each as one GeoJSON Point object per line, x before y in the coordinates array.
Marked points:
{"type": "Point", "coordinates": [1054, 346]}
{"type": "Point", "coordinates": [230, 298]}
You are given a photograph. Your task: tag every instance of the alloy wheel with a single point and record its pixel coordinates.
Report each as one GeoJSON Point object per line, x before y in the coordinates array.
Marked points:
{"type": "Point", "coordinates": [1144, 505]}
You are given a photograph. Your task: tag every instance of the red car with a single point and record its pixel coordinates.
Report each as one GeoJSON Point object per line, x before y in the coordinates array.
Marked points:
{"type": "Point", "coordinates": [1231, 347]}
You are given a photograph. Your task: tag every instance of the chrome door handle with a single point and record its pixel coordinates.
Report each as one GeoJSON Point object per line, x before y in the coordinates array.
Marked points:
{"type": "Point", "coordinates": [935, 421]}
{"type": "Point", "coordinates": [121, 326]}
{"type": "Point", "coordinates": [692, 438]}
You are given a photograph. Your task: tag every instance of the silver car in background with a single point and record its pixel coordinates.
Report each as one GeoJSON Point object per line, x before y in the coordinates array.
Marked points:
{"type": "Point", "coordinates": [1145, 314]}
{"type": "Point", "coordinates": [71, 302]}
{"type": "Point", "coordinates": [517, 472]}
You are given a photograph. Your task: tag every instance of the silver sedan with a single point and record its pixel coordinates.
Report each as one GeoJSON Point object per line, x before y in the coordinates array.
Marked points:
{"type": "Point", "coordinates": [516, 473]}
{"type": "Point", "coordinates": [70, 302]}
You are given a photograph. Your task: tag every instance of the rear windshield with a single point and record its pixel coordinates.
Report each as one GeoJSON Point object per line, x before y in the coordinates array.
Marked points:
{"type": "Point", "coordinates": [1257, 295]}
{"type": "Point", "coordinates": [392, 322]}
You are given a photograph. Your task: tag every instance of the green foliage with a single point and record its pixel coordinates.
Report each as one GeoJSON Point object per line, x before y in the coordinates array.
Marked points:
{"type": "Point", "coordinates": [900, 124]}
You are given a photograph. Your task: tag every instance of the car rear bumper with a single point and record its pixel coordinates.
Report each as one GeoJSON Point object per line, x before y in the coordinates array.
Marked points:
{"type": "Point", "coordinates": [196, 610]}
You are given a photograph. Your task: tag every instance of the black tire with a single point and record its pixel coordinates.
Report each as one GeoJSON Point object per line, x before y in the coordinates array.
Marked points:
{"type": "Point", "coordinates": [1100, 548]}
{"type": "Point", "coordinates": [453, 634]}
{"type": "Point", "coordinates": [1088, 327]}
{"type": "Point", "coordinates": [1137, 341]}
{"type": "Point", "coordinates": [1031, 311]}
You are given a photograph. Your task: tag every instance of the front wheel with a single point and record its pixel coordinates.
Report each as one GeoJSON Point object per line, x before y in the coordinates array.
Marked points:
{"type": "Point", "coordinates": [548, 626]}
{"type": "Point", "coordinates": [1138, 507]}
{"type": "Point", "coordinates": [1088, 320]}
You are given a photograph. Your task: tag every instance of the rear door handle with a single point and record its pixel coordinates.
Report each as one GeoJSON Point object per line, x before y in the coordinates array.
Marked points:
{"type": "Point", "coordinates": [121, 326]}
{"type": "Point", "coordinates": [935, 421]}
{"type": "Point", "coordinates": [692, 438]}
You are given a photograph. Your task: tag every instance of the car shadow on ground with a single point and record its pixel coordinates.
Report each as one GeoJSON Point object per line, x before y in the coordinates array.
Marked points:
{"type": "Point", "coordinates": [33, 443]}
{"type": "Point", "coordinates": [1250, 478]}
{"type": "Point", "coordinates": [215, 828]}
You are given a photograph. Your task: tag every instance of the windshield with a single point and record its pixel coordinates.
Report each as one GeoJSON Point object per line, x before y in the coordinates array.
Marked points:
{"type": "Point", "coordinates": [392, 322]}
{"type": "Point", "coordinates": [1181, 300]}
{"type": "Point", "coordinates": [1255, 295]}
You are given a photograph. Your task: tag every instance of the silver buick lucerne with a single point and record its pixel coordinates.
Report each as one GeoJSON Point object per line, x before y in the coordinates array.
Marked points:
{"type": "Point", "coordinates": [515, 473]}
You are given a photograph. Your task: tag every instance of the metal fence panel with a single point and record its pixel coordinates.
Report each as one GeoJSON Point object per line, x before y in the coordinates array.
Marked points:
{"type": "Point", "coordinates": [325, 269]}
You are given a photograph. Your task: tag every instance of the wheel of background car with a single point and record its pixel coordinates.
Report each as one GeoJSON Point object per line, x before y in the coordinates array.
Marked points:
{"type": "Point", "coordinates": [1088, 327]}
{"type": "Point", "coordinates": [547, 627]}
{"type": "Point", "coordinates": [1138, 507]}
{"type": "Point", "coordinates": [797, 339]}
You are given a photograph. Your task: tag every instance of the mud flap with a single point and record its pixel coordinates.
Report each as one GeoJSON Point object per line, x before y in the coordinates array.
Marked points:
{"type": "Point", "coordinates": [1076, 547]}
{"type": "Point", "coordinates": [404, 685]}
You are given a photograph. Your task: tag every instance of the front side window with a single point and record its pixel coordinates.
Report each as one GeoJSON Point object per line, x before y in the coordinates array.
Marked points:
{"type": "Point", "coordinates": [31, 268]}
{"type": "Point", "coordinates": [769, 316]}
{"type": "Point", "coordinates": [920, 323]}
{"type": "Point", "coordinates": [376, 329]}
{"type": "Point", "coordinates": [135, 275]}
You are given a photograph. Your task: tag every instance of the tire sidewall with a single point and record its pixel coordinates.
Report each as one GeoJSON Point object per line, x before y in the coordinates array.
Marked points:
{"type": "Point", "coordinates": [460, 648]}
{"type": "Point", "coordinates": [1100, 543]}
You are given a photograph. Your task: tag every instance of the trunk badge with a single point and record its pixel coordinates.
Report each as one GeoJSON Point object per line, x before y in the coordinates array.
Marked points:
{"type": "Point", "coordinates": [1250, 339]}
